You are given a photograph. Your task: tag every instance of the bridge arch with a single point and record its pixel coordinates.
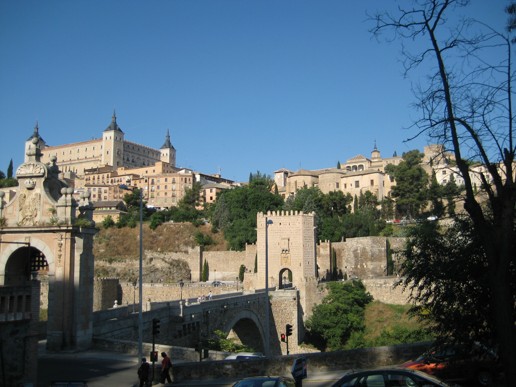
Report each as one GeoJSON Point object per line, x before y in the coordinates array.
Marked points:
{"type": "Point", "coordinates": [246, 327]}
{"type": "Point", "coordinates": [17, 261]}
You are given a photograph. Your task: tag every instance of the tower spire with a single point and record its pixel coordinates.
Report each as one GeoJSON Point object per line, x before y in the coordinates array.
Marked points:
{"type": "Point", "coordinates": [167, 144]}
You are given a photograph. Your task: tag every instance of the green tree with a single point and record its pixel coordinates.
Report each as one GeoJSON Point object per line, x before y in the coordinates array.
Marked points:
{"type": "Point", "coordinates": [340, 313]}
{"type": "Point", "coordinates": [241, 273]}
{"type": "Point", "coordinates": [466, 105]}
{"type": "Point", "coordinates": [10, 170]}
{"type": "Point", "coordinates": [435, 196]}
{"type": "Point", "coordinates": [235, 211]}
{"type": "Point", "coordinates": [108, 222]}
{"type": "Point", "coordinates": [205, 274]}
{"type": "Point", "coordinates": [410, 190]}
{"type": "Point", "coordinates": [455, 298]}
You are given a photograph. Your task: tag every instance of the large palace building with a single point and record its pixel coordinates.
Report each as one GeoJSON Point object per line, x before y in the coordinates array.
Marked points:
{"type": "Point", "coordinates": [110, 165]}
{"type": "Point", "coordinates": [111, 151]}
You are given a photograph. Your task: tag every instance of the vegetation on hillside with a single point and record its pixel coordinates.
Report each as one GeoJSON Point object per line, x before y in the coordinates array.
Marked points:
{"type": "Point", "coordinates": [339, 314]}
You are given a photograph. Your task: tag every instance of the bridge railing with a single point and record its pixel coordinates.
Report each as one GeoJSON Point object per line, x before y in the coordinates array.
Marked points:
{"type": "Point", "coordinates": [15, 303]}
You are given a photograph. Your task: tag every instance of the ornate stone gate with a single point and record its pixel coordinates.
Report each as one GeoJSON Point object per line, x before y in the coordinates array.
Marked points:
{"type": "Point", "coordinates": [45, 231]}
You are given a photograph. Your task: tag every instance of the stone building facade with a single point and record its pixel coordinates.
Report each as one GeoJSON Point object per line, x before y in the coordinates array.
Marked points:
{"type": "Point", "coordinates": [112, 149]}
{"type": "Point", "coordinates": [357, 175]}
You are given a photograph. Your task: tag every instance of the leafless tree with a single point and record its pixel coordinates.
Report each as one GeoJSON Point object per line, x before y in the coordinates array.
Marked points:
{"type": "Point", "coordinates": [465, 103]}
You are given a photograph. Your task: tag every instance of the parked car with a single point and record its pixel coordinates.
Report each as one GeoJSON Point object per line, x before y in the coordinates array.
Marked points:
{"type": "Point", "coordinates": [245, 355]}
{"type": "Point", "coordinates": [459, 364]}
{"type": "Point", "coordinates": [266, 381]}
{"type": "Point", "coordinates": [216, 283]}
{"type": "Point", "coordinates": [387, 377]}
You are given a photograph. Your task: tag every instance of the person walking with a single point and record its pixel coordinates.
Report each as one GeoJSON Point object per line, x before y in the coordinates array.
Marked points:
{"type": "Point", "coordinates": [166, 365]}
{"type": "Point", "coordinates": [144, 373]}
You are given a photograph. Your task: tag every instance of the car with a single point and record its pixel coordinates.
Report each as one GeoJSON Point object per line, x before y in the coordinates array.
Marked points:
{"type": "Point", "coordinates": [388, 377]}
{"type": "Point", "coordinates": [245, 355]}
{"type": "Point", "coordinates": [216, 283]}
{"type": "Point", "coordinates": [266, 381]}
{"type": "Point", "coordinates": [459, 364]}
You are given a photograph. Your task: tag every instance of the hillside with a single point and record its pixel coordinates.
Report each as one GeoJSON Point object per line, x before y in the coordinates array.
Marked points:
{"type": "Point", "coordinates": [117, 250]}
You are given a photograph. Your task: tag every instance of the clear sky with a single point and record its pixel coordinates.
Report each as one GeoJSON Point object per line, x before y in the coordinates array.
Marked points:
{"type": "Point", "coordinates": [242, 85]}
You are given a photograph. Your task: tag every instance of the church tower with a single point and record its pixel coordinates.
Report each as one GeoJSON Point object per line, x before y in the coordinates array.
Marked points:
{"type": "Point", "coordinates": [168, 152]}
{"type": "Point", "coordinates": [113, 144]}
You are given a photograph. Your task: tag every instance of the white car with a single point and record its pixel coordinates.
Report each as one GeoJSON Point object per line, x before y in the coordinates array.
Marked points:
{"type": "Point", "coordinates": [245, 355]}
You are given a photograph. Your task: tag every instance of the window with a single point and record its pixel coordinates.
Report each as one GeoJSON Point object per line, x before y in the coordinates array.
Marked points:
{"type": "Point", "coordinates": [337, 185]}
{"type": "Point", "coordinates": [357, 184]}
{"type": "Point", "coordinates": [372, 183]}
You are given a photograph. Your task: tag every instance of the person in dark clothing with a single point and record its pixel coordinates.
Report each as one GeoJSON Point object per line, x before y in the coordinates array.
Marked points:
{"type": "Point", "coordinates": [144, 373]}
{"type": "Point", "coordinates": [166, 365]}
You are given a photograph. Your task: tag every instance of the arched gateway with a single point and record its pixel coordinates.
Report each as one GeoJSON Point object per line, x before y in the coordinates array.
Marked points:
{"type": "Point", "coordinates": [43, 229]}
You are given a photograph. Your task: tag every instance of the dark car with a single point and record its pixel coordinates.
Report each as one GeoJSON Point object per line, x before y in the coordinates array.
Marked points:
{"type": "Point", "coordinates": [478, 365]}
{"type": "Point", "coordinates": [266, 381]}
{"type": "Point", "coordinates": [388, 377]}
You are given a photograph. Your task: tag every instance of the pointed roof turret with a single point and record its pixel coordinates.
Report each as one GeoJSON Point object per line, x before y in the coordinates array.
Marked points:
{"type": "Point", "coordinates": [35, 134]}
{"type": "Point", "coordinates": [167, 144]}
{"type": "Point", "coordinates": [113, 126]}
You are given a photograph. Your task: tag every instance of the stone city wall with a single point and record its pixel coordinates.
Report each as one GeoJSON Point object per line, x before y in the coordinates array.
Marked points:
{"type": "Point", "coordinates": [383, 290]}
{"type": "Point", "coordinates": [365, 258]}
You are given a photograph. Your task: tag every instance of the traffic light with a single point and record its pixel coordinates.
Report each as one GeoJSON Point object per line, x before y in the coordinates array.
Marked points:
{"type": "Point", "coordinates": [283, 337]}
{"type": "Point", "coordinates": [289, 329]}
{"type": "Point", "coordinates": [155, 326]}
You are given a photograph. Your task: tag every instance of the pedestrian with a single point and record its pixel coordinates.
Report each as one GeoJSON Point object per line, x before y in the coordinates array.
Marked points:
{"type": "Point", "coordinates": [144, 373]}
{"type": "Point", "coordinates": [166, 365]}
{"type": "Point", "coordinates": [209, 295]}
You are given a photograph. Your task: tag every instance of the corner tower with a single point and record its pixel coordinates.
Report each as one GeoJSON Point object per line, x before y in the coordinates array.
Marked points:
{"type": "Point", "coordinates": [113, 144]}
{"type": "Point", "coordinates": [168, 152]}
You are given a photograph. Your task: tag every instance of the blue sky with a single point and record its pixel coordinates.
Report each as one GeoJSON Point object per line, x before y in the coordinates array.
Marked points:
{"type": "Point", "coordinates": [242, 85]}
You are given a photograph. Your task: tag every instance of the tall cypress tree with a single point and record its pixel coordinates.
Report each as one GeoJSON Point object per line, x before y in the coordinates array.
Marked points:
{"type": "Point", "coordinates": [10, 169]}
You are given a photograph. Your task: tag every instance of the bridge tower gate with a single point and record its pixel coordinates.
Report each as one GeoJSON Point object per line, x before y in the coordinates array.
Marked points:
{"type": "Point", "coordinates": [45, 231]}
{"type": "Point", "coordinates": [286, 249]}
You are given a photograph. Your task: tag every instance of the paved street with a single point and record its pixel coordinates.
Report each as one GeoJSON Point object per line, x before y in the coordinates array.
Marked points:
{"type": "Point", "coordinates": [101, 369]}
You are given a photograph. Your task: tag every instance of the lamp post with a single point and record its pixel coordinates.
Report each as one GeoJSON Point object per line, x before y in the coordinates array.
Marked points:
{"type": "Point", "coordinates": [140, 289]}
{"type": "Point", "coordinates": [267, 312]}
{"type": "Point", "coordinates": [237, 282]}
{"type": "Point", "coordinates": [134, 293]}
{"type": "Point", "coordinates": [181, 284]}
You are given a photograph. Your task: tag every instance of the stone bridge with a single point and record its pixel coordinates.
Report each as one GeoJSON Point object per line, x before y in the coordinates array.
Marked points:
{"type": "Point", "coordinates": [242, 316]}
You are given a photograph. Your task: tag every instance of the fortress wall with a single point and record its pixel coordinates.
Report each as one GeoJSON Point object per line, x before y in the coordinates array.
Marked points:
{"type": "Point", "coordinates": [383, 290]}
{"type": "Point", "coordinates": [324, 250]}
{"type": "Point", "coordinates": [364, 257]}
{"type": "Point", "coordinates": [224, 265]}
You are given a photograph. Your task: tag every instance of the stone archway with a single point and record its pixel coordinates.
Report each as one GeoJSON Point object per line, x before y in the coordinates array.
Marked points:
{"type": "Point", "coordinates": [285, 278]}
{"type": "Point", "coordinates": [44, 228]}
{"type": "Point", "coordinates": [23, 264]}
{"type": "Point", "coordinates": [246, 329]}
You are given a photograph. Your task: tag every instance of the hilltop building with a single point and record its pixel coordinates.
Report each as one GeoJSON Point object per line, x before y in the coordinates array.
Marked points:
{"type": "Point", "coordinates": [107, 166]}
{"type": "Point", "coordinates": [357, 175]}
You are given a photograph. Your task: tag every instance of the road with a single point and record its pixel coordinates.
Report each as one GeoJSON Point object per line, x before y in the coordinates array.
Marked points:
{"type": "Point", "coordinates": [101, 369]}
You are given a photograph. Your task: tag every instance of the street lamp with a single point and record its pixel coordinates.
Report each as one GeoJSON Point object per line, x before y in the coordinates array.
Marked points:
{"type": "Point", "coordinates": [181, 284]}
{"type": "Point", "coordinates": [140, 289]}
{"type": "Point", "coordinates": [134, 293]}
{"type": "Point", "coordinates": [267, 322]}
